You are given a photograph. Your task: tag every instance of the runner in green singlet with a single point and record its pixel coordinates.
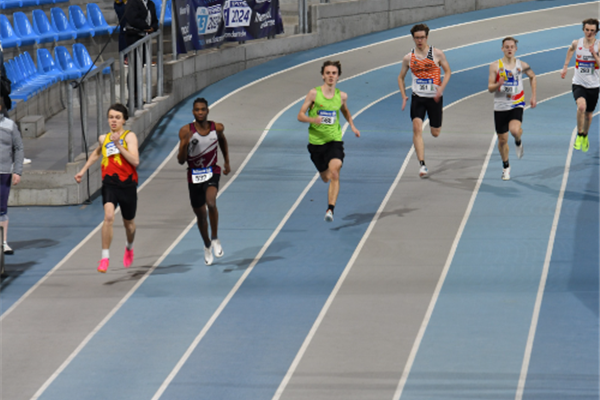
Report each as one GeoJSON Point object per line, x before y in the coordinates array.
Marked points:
{"type": "Point", "coordinates": [326, 148]}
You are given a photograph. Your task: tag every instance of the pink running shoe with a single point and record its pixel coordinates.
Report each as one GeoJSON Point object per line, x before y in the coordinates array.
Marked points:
{"type": "Point", "coordinates": [103, 266]}
{"type": "Point", "coordinates": [128, 257]}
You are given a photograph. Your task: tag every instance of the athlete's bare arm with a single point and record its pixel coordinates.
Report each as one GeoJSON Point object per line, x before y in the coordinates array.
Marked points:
{"type": "Point", "coordinates": [532, 81]}
{"type": "Point", "coordinates": [494, 85]}
{"type": "Point", "coordinates": [441, 57]}
{"type": "Point", "coordinates": [401, 76]}
{"type": "Point", "coordinates": [131, 153]}
{"type": "Point", "coordinates": [347, 114]}
{"type": "Point", "coordinates": [224, 147]}
{"type": "Point", "coordinates": [184, 141]}
{"type": "Point", "coordinates": [570, 52]}
{"type": "Point", "coordinates": [92, 159]}
{"type": "Point", "coordinates": [594, 53]}
{"type": "Point", "coordinates": [308, 102]}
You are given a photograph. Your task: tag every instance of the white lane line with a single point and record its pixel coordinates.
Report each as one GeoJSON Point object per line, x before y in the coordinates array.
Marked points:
{"type": "Point", "coordinates": [348, 267]}
{"type": "Point", "coordinates": [419, 338]}
{"type": "Point", "coordinates": [544, 277]}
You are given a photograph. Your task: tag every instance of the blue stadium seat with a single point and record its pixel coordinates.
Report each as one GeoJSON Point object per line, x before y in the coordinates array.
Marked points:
{"type": "Point", "coordinates": [4, 4]}
{"type": "Point", "coordinates": [83, 59]}
{"type": "Point", "coordinates": [24, 29]}
{"type": "Point", "coordinates": [97, 20]}
{"type": "Point", "coordinates": [23, 88]}
{"type": "Point", "coordinates": [28, 3]}
{"type": "Point", "coordinates": [33, 73]}
{"type": "Point", "coordinates": [46, 65]}
{"type": "Point", "coordinates": [42, 2]}
{"type": "Point", "coordinates": [66, 63]}
{"type": "Point", "coordinates": [79, 21]}
{"type": "Point", "coordinates": [7, 34]}
{"type": "Point", "coordinates": [43, 28]}
{"type": "Point", "coordinates": [61, 25]}
{"type": "Point", "coordinates": [16, 91]}
{"type": "Point", "coordinates": [33, 78]}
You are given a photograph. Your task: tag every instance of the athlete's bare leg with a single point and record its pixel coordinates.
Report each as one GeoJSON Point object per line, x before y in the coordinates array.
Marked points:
{"type": "Point", "coordinates": [503, 146]}
{"type": "Point", "coordinates": [515, 129]}
{"type": "Point", "coordinates": [582, 120]}
{"type": "Point", "coordinates": [332, 175]}
{"type": "Point", "coordinates": [587, 122]}
{"type": "Point", "coordinates": [213, 213]}
{"type": "Point", "coordinates": [418, 138]}
{"type": "Point", "coordinates": [435, 132]}
{"type": "Point", "coordinates": [129, 229]}
{"type": "Point", "coordinates": [107, 226]}
{"type": "Point", "coordinates": [202, 224]}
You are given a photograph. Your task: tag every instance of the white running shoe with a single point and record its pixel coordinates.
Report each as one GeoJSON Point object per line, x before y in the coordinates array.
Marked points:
{"type": "Point", "coordinates": [423, 172]}
{"type": "Point", "coordinates": [208, 256]}
{"type": "Point", "coordinates": [506, 174]}
{"type": "Point", "coordinates": [26, 161]}
{"type": "Point", "coordinates": [7, 249]}
{"type": "Point", "coordinates": [329, 216]}
{"type": "Point", "coordinates": [215, 244]}
{"type": "Point", "coordinates": [520, 150]}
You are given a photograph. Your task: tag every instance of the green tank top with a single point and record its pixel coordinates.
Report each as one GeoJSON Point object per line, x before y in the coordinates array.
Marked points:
{"type": "Point", "coordinates": [329, 109]}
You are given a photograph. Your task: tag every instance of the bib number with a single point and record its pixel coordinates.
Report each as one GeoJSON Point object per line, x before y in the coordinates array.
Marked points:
{"type": "Point", "coordinates": [586, 68]}
{"type": "Point", "coordinates": [111, 149]}
{"type": "Point", "coordinates": [425, 86]}
{"type": "Point", "coordinates": [509, 88]}
{"type": "Point", "coordinates": [201, 175]}
{"type": "Point", "coordinates": [327, 117]}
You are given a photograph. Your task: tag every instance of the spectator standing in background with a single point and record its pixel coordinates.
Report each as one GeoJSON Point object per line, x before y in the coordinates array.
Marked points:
{"type": "Point", "coordinates": [140, 20]}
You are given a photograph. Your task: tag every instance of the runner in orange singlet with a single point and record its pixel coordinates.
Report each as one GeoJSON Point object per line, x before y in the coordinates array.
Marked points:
{"type": "Point", "coordinates": [424, 62]}
{"type": "Point", "coordinates": [120, 157]}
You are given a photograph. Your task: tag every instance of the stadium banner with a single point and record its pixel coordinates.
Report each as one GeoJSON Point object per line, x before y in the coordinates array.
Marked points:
{"type": "Point", "coordinates": [204, 24]}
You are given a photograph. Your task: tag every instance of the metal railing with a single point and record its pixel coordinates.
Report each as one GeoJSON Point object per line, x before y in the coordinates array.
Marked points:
{"type": "Point", "coordinates": [96, 77]}
{"type": "Point", "coordinates": [138, 55]}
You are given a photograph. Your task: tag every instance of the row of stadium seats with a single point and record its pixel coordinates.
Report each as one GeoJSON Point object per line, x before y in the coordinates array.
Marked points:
{"type": "Point", "coordinates": [58, 28]}
{"type": "Point", "coordinates": [27, 80]}
{"type": "Point", "coordinates": [4, 4]}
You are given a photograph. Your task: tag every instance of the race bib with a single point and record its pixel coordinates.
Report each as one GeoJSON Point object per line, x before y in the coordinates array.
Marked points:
{"type": "Point", "coordinates": [111, 149]}
{"type": "Point", "coordinates": [201, 175]}
{"type": "Point", "coordinates": [586, 68]}
{"type": "Point", "coordinates": [425, 86]}
{"type": "Point", "coordinates": [510, 88]}
{"type": "Point", "coordinates": [327, 117]}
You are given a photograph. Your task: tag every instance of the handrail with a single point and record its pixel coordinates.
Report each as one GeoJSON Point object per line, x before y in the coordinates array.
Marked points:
{"type": "Point", "coordinates": [134, 53]}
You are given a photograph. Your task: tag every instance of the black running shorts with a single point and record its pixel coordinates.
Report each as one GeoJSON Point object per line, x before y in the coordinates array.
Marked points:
{"type": "Point", "coordinates": [198, 190]}
{"type": "Point", "coordinates": [419, 106]}
{"type": "Point", "coordinates": [503, 118]}
{"type": "Point", "coordinates": [590, 96]}
{"type": "Point", "coordinates": [122, 196]}
{"type": "Point", "coordinates": [321, 154]}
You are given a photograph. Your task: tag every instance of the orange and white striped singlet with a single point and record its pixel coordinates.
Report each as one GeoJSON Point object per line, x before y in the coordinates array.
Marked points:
{"type": "Point", "coordinates": [426, 74]}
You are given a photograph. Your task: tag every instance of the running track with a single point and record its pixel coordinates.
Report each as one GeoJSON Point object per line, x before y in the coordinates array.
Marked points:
{"type": "Point", "coordinates": [459, 286]}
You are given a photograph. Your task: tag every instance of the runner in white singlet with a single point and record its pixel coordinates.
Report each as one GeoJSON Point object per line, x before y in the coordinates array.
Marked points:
{"type": "Point", "coordinates": [506, 82]}
{"type": "Point", "coordinates": [586, 80]}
